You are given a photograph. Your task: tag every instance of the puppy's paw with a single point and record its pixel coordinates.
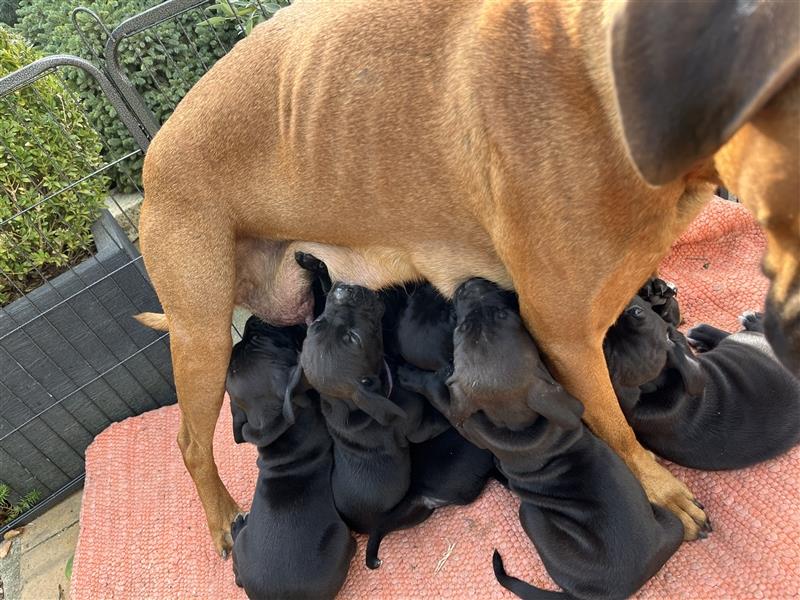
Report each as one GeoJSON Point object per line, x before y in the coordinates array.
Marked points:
{"type": "Point", "coordinates": [309, 262]}
{"type": "Point", "coordinates": [705, 337]}
{"type": "Point", "coordinates": [752, 321]}
{"type": "Point", "coordinates": [373, 562]}
{"type": "Point", "coordinates": [410, 378]}
{"type": "Point", "coordinates": [238, 524]}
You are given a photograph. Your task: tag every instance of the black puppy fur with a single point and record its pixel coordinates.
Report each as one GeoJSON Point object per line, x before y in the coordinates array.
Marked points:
{"type": "Point", "coordinates": [293, 543]}
{"type": "Point", "coordinates": [728, 408]}
{"type": "Point", "coordinates": [424, 332]}
{"type": "Point", "coordinates": [446, 469]}
{"type": "Point", "coordinates": [342, 359]}
{"type": "Point", "coordinates": [321, 283]}
{"type": "Point", "coordinates": [588, 517]}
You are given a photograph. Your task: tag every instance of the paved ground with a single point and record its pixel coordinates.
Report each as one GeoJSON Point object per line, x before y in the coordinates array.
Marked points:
{"type": "Point", "coordinates": [36, 566]}
{"type": "Point", "coordinates": [35, 569]}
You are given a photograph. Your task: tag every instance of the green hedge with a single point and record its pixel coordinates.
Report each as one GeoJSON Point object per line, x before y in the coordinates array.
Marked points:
{"type": "Point", "coordinates": [161, 62]}
{"type": "Point", "coordinates": [8, 11]}
{"type": "Point", "coordinates": [41, 154]}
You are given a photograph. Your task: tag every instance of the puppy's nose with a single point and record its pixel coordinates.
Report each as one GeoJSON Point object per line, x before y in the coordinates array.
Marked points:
{"type": "Point", "coordinates": [342, 292]}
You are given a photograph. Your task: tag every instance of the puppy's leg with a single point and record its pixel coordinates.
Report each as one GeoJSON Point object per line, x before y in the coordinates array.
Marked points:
{"type": "Point", "coordinates": [704, 337]}
{"type": "Point", "coordinates": [407, 514]}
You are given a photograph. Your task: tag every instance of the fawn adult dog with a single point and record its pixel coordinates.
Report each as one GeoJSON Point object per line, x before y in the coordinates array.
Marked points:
{"type": "Point", "coordinates": [557, 148]}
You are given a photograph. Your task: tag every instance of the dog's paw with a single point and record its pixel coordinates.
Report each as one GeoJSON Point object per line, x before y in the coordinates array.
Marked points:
{"type": "Point", "coordinates": [752, 321]}
{"type": "Point", "coordinates": [309, 262]}
{"type": "Point", "coordinates": [409, 378]}
{"type": "Point", "coordinates": [664, 489]}
{"type": "Point", "coordinates": [373, 562]}
{"type": "Point", "coordinates": [238, 524]}
{"type": "Point", "coordinates": [656, 291]}
{"type": "Point", "coordinates": [705, 337]}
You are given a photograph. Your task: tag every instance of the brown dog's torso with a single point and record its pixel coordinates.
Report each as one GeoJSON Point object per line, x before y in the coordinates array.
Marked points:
{"type": "Point", "coordinates": [419, 136]}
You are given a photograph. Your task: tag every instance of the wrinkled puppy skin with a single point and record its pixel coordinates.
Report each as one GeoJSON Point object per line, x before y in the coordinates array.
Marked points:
{"type": "Point", "coordinates": [730, 407]}
{"type": "Point", "coordinates": [582, 508]}
{"type": "Point", "coordinates": [292, 543]}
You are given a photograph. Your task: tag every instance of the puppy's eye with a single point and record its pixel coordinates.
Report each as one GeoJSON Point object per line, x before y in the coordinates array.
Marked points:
{"type": "Point", "coordinates": [635, 311]}
{"type": "Point", "coordinates": [502, 314]}
{"type": "Point", "coordinates": [351, 337]}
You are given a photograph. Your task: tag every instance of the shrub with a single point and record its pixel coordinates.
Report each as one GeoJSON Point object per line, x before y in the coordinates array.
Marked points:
{"type": "Point", "coordinates": [244, 14]}
{"type": "Point", "coordinates": [11, 510]}
{"type": "Point", "coordinates": [40, 154]}
{"type": "Point", "coordinates": [161, 62]}
{"type": "Point", "coordinates": [8, 11]}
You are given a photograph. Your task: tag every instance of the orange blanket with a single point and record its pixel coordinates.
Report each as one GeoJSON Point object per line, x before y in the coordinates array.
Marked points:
{"type": "Point", "coordinates": [143, 534]}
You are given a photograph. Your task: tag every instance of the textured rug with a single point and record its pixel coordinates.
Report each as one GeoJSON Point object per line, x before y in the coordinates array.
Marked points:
{"type": "Point", "coordinates": [143, 534]}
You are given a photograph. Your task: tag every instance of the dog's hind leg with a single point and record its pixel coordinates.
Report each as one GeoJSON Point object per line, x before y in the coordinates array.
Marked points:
{"type": "Point", "coordinates": [193, 275]}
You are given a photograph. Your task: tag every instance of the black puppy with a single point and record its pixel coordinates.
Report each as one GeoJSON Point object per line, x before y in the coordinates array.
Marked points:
{"type": "Point", "coordinates": [293, 522]}
{"type": "Point", "coordinates": [728, 408]}
{"type": "Point", "coordinates": [370, 423]}
{"type": "Point", "coordinates": [424, 329]}
{"type": "Point", "coordinates": [446, 469]}
{"type": "Point", "coordinates": [588, 517]}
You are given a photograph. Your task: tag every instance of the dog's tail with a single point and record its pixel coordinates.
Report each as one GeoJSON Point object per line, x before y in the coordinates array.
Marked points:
{"type": "Point", "coordinates": [153, 320]}
{"type": "Point", "coordinates": [526, 591]}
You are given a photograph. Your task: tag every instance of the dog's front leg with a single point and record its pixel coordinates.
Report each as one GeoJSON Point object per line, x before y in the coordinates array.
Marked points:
{"type": "Point", "coordinates": [579, 364]}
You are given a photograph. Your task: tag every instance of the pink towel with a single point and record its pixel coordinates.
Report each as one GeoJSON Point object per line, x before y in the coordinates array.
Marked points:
{"type": "Point", "coordinates": [143, 534]}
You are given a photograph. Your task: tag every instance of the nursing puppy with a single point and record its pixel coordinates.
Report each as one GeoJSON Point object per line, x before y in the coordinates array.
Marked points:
{"type": "Point", "coordinates": [293, 521]}
{"type": "Point", "coordinates": [447, 469]}
{"type": "Point", "coordinates": [342, 359]}
{"type": "Point", "coordinates": [728, 408]}
{"type": "Point", "coordinates": [588, 517]}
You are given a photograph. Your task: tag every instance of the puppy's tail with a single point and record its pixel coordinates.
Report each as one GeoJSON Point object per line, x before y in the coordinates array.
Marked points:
{"type": "Point", "coordinates": [526, 591]}
{"type": "Point", "coordinates": [153, 320]}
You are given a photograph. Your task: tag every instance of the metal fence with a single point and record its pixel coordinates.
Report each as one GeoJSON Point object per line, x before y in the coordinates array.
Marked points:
{"type": "Point", "coordinates": [72, 359]}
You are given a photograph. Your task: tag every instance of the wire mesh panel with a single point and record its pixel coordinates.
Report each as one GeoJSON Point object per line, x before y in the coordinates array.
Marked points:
{"type": "Point", "coordinates": [72, 358]}
{"type": "Point", "coordinates": [72, 141]}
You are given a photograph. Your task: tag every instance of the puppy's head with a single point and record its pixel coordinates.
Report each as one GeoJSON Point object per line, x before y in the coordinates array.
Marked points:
{"type": "Point", "coordinates": [498, 369]}
{"type": "Point", "coordinates": [688, 90]}
{"type": "Point", "coordinates": [260, 370]}
{"type": "Point", "coordinates": [636, 345]}
{"type": "Point", "coordinates": [425, 329]}
{"type": "Point", "coordinates": [342, 356]}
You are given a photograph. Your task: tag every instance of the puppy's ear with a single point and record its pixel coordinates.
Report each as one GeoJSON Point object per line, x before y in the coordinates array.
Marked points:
{"type": "Point", "coordinates": [694, 378]}
{"type": "Point", "coordinates": [295, 377]}
{"type": "Point", "coordinates": [556, 405]}
{"type": "Point", "coordinates": [687, 75]}
{"type": "Point", "coordinates": [377, 406]}
{"type": "Point", "coordinates": [239, 420]}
